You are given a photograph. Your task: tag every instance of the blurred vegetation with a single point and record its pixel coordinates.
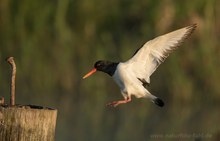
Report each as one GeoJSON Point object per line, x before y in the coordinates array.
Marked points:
{"type": "Point", "coordinates": [56, 42]}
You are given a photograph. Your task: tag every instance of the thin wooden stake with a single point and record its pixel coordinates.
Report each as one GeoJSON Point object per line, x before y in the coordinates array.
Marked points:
{"type": "Point", "coordinates": [10, 60]}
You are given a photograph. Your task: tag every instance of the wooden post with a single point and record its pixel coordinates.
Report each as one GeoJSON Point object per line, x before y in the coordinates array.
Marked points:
{"type": "Point", "coordinates": [27, 123]}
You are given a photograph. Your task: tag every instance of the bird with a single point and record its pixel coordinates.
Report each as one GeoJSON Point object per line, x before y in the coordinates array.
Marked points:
{"type": "Point", "coordinates": [133, 75]}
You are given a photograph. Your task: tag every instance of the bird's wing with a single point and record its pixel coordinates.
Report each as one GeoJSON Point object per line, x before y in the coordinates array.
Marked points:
{"type": "Point", "coordinates": [147, 58]}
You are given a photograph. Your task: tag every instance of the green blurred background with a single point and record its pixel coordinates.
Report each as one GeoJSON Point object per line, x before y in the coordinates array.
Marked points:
{"type": "Point", "coordinates": [55, 42]}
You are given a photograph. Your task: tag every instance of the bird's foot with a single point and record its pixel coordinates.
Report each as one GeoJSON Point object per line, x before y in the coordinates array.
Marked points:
{"type": "Point", "coordinates": [116, 103]}
{"type": "Point", "coordinates": [112, 104]}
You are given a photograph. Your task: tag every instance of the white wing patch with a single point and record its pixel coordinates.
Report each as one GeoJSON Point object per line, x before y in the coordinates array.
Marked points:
{"type": "Point", "coordinates": [155, 51]}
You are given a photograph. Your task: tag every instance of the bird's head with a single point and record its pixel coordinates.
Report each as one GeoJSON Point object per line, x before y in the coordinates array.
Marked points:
{"type": "Point", "coordinates": [101, 65]}
{"type": "Point", "coordinates": [98, 66]}
{"type": "Point", "coordinates": [104, 66]}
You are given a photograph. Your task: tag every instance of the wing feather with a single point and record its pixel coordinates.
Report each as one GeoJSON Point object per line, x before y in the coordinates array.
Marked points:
{"type": "Point", "coordinates": [155, 51]}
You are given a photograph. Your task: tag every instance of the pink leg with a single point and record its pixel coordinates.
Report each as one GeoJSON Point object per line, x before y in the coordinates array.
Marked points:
{"type": "Point", "coordinates": [116, 103]}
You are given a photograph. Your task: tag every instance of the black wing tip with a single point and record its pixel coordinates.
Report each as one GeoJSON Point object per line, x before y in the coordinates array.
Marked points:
{"type": "Point", "coordinates": [191, 28]}
{"type": "Point", "coordinates": [194, 25]}
{"type": "Point", "coordinates": [189, 31]}
{"type": "Point", "coordinates": [159, 102]}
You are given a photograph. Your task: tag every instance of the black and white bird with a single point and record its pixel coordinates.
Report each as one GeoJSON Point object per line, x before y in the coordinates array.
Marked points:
{"type": "Point", "coordinates": [133, 76]}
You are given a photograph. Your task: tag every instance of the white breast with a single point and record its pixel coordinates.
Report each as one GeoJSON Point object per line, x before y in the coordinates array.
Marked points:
{"type": "Point", "coordinates": [128, 82]}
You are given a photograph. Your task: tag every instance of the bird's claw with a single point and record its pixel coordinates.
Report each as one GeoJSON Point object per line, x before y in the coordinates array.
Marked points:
{"type": "Point", "coordinates": [116, 103]}
{"type": "Point", "coordinates": [112, 104]}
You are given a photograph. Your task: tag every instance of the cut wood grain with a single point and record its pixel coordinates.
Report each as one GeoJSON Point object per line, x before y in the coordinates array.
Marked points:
{"type": "Point", "coordinates": [27, 123]}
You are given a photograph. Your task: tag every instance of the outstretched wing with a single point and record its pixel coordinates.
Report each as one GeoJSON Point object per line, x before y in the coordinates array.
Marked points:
{"type": "Point", "coordinates": [146, 59]}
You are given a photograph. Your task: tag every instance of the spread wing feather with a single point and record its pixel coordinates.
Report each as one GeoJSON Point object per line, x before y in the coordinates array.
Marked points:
{"type": "Point", "coordinates": [147, 58]}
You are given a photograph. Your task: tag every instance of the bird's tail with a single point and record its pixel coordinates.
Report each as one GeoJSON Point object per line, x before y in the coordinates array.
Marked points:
{"type": "Point", "coordinates": [154, 99]}
{"type": "Point", "coordinates": [158, 102]}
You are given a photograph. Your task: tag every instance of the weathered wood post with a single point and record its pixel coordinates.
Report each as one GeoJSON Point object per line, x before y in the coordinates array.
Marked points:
{"type": "Point", "coordinates": [25, 122]}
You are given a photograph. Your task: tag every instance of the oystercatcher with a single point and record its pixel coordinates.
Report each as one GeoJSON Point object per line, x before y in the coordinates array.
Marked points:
{"type": "Point", "coordinates": [133, 76]}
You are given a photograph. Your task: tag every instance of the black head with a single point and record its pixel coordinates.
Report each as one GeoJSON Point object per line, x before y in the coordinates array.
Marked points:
{"type": "Point", "coordinates": [102, 65]}
{"type": "Point", "coordinates": [106, 66]}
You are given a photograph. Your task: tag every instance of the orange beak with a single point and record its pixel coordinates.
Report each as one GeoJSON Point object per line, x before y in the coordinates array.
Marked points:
{"type": "Point", "coordinates": [90, 73]}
